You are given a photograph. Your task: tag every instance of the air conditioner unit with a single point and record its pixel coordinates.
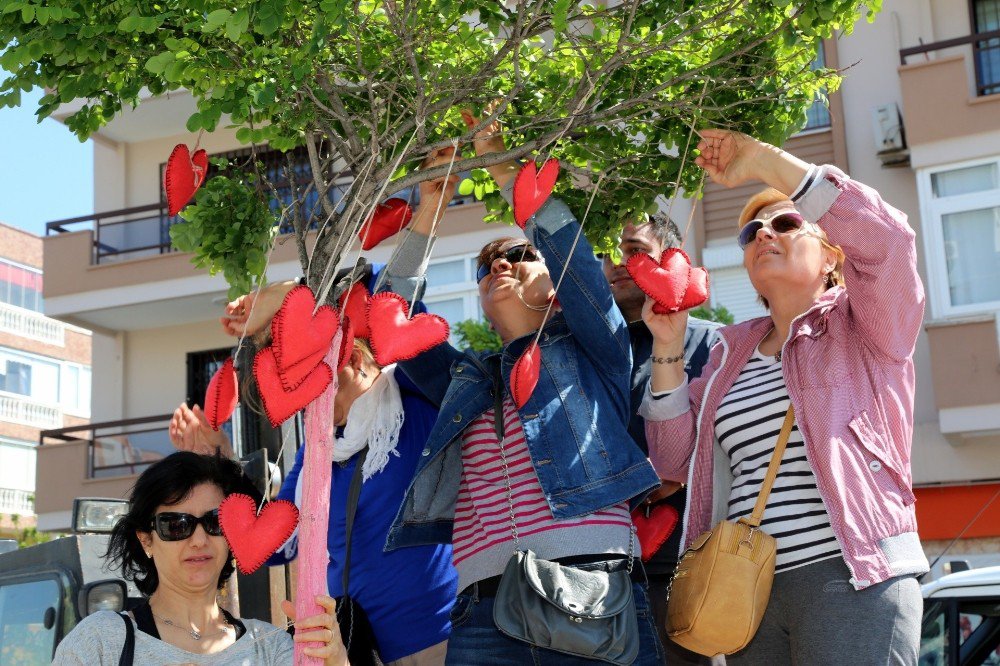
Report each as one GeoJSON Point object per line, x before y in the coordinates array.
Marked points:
{"type": "Point", "coordinates": [890, 136]}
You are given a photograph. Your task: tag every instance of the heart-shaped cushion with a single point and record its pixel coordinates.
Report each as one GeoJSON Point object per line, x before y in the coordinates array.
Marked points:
{"type": "Point", "coordinates": [253, 538]}
{"type": "Point", "coordinates": [524, 374]}
{"type": "Point", "coordinates": [301, 338]}
{"type": "Point", "coordinates": [346, 344]}
{"type": "Point", "coordinates": [653, 531]}
{"type": "Point", "coordinates": [354, 306]}
{"type": "Point", "coordinates": [182, 176]}
{"type": "Point", "coordinates": [532, 188]}
{"type": "Point", "coordinates": [387, 219]}
{"type": "Point", "coordinates": [671, 282]}
{"type": "Point", "coordinates": [221, 395]}
{"type": "Point", "coordinates": [279, 403]}
{"type": "Point", "coordinates": [393, 337]}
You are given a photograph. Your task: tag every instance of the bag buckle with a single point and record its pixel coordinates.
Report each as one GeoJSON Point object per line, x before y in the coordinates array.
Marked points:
{"type": "Point", "coordinates": [748, 539]}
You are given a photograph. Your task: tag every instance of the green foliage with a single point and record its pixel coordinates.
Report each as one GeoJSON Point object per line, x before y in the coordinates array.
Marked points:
{"type": "Point", "coordinates": [476, 334]}
{"type": "Point", "coordinates": [30, 536]}
{"type": "Point", "coordinates": [719, 314]}
{"type": "Point", "coordinates": [229, 229]}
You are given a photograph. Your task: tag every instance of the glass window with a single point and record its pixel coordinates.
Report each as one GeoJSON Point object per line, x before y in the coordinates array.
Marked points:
{"type": "Point", "coordinates": [979, 631]}
{"type": "Point", "coordinates": [979, 178]}
{"type": "Point", "coordinates": [445, 273]}
{"type": "Point", "coordinates": [934, 635]}
{"type": "Point", "coordinates": [818, 115]}
{"type": "Point", "coordinates": [28, 613]}
{"type": "Point", "coordinates": [452, 309]}
{"type": "Point", "coordinates": [972, 253]}
{"type": "Point", "coordinates": [987, 51]}
{"type": "Point", "coordinates": [17, 378]}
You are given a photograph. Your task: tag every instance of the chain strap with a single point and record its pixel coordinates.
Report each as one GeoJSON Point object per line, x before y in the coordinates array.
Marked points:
{"type": "Point", "coordinates": [506, 480]}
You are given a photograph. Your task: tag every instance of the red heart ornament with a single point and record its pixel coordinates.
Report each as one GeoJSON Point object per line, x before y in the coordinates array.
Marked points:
{"type": "Point", "coordinates": [221, 395]}
{"type": "Point", "coordinates": [387, 219]}
{"type": "Point", "coordinates": [393, 336]}
{"type": "Point", "coordinates": [672, 282]}
{"type": "Point", "coordinates": [654, 530]}
{"type": "Point", "coordinates": [532, 188]}
{"type": "Point", "coordinates": [279, 403]}
{"type": "Point", "coordinates": [182, 176]}
{"type": "Point", "coordinates": [354, 306]}
{"type": "Point", "coordinates": [524, 374]}
{"type": "Point", "coordinates": [346, 345]}
{"type": "Point", "coordinates": [301, 338]}
{"type": "Point", "coordinates": [253, 538]}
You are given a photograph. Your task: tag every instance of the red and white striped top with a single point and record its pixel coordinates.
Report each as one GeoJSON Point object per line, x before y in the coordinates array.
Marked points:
{"type": "Point", "coordinates": [482, 512]}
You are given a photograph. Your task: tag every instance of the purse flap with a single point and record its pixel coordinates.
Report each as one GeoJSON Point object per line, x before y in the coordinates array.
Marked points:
{"type": "Point", "coordinates": [592, 594]}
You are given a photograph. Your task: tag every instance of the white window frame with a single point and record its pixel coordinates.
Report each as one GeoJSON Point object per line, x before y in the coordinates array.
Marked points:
{"type": "Point", "coordinates": [31, 358]}
{"type": "Point", "coordinates": [468, 290]}
{"type": "Point", "coordinates": [931, 211]}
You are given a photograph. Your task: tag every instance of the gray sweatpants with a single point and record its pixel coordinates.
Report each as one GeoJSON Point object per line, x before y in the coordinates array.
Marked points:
{"type": "Point", "coordinates": [816, 617]}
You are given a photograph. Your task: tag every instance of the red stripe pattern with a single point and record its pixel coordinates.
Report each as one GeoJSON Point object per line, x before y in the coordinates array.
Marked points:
{"type": "Point", "coordinates": [482, 511]}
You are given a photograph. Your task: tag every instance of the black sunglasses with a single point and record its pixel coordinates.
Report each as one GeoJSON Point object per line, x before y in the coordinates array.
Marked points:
{"type": "Point", "coordinates": [783, 224]}
{"type": "Point", "coordinates": [514, 255]}
{"type": "Point", "coordinates": [173, 526]}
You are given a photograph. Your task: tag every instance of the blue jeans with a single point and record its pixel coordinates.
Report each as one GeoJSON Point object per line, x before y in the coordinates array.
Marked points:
{"type": "Point", "coordinates": [476, 641]}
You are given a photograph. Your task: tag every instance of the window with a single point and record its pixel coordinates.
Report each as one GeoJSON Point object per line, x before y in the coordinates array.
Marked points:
{"type": "Point", "coordinates": [818, 115]}
{"type": "Point", "coordinates": [961, 211]}
{"type": "Point", "coordinates": [452, 291]}
{"type": "Point", "coordinates": [961, 631]}
{"type": "Point", "coordinates": [987, 52]}
{"type": "Point", "coordinates": [46, 380]}
{"type": "Point", "coordinates": [28, 621]}
{"type": "Point", "coordinates": [20, 286]}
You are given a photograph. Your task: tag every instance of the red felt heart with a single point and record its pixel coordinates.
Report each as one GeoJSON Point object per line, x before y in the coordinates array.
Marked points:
{"type": "Point", "coordinates": [300, 338]}
{"type": "Point", "coordinates": [672, 282]}
{"type": "Point", "coordinates": [532, 188]}
{"type": "Point", "coordinates": [182, 176]}
{"type": "Point", "coordinates": [653, 531]}
{"type": "Point", "coordinates": [354, 306]}
{"type": "Point", "coordinates": [280, 404]}
{"type": "Point", "coordinates": [253, 538]}
{"type": "Point", "coordinates": [387, 219]}
{"type": "Point", "coordinates": [346, 344]}
{"type": "Point", "coordinates": [221, 396]}
{"type": "Point", "coordinates": [524, 374]}
{"type": "Point", "coordinates": [393, 337]}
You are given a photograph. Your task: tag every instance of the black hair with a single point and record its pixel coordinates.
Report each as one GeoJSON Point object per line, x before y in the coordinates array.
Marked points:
{"type": "Point", "coordinates": [664, 230]}
{"type": "Point", "coordinates": [167, 482]}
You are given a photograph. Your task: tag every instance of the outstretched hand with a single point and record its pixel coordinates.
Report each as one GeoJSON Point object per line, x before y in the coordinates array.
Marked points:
{"type": "Point", "coordinates": [251, 313]}
{"type": "Point", "coordinates": [322, 629]}
{"type": "Point", "coordinates": [189, 430]}
{"type": "Point", "coordinates": [489, 139]}
{"type": "Point", "coordinates": [729, 158]}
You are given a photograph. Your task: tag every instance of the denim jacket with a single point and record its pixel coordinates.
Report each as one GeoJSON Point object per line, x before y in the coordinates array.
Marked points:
{"type": "Point", "coordinates": [575, 422]}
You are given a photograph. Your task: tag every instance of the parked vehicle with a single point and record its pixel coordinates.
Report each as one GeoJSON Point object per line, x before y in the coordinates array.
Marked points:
{"type": "Point", "coordinates": [961, 625]}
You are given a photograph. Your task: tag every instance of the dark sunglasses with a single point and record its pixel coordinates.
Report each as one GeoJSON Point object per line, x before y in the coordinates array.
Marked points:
{"type": "Point", "coordinates": [172, 526]}
{"type": "Point", "coordinates": [514, 255]}
{"type": "Point", "coordinates": [785, 223]}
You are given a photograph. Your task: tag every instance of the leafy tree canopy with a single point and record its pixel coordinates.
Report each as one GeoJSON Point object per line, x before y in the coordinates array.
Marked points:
{"type": "Point", "coordinates": [369, 87]}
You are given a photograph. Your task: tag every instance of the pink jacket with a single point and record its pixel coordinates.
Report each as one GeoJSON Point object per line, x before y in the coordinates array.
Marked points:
{"type": "Point", "coordinates": [848, 366]}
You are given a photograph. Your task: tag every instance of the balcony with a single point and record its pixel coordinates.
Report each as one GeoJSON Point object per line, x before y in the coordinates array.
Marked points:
{"type": "Point", "coordinates": [94, 460]}
{"type": "Point", "coordinates": [21, 502]}
{"type": "Point", "coordinates": [25, 411]}
{"type": "Point", "coordinates": [965, 370]}
{"type": "Point", "coordinates": [33, 325]}
{"type": "Point", "coordinates": [956, 93]}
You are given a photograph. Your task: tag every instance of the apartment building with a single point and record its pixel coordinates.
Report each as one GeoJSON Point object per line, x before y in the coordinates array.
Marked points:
{"type": "Point", "coordinates": [44, 375]}
{"type": "Point", "coordinates": [917, 117]}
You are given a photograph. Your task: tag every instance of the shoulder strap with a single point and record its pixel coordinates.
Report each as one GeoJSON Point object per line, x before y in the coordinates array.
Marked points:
{"type": "Point", "coordinates": [353, 494]}
{"type": "Point", "coordinates": [772, 468]}
{"type": "Point", "coordinates": [128, 650]}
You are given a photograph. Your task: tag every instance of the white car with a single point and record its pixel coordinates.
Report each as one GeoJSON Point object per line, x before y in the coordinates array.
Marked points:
{"type": "Point", "coordinates": [961, 625]}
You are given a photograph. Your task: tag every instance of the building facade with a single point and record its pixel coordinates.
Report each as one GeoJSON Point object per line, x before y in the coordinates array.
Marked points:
{"type": "Point", "coordinates": [917, 117]}
{"type": "Point", "coordinates": [45, 378]}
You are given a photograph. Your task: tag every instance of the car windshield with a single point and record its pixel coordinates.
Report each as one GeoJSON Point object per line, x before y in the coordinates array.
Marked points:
{"type": "Point", "coordinates": [28, 613]}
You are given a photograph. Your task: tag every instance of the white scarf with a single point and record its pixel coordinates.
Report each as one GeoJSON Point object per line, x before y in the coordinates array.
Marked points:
{"type": "Point", "coordinates": [375, 419]}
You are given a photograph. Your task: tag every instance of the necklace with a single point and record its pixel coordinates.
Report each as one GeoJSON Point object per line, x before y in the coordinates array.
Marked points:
{"type": "Point", "coordinates": [193, 633]}
{"type": "Point", "coordinates": [536, 308]}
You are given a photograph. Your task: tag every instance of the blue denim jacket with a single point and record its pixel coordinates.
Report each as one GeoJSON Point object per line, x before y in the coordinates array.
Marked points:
{"type": "Point", "coordinates": [575, 422]}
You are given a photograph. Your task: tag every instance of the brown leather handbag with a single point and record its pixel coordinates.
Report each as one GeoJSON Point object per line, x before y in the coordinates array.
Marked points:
{"type": "Point", "coordinates": [722, 585]}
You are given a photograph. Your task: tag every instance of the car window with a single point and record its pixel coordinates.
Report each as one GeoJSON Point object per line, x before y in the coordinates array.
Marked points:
{"type": "Point", "coordinates": [28, 622]}
{"type": "Point", "coordinates": [979, 632]}
{"type": "Point", "coordinates": [934, 635]}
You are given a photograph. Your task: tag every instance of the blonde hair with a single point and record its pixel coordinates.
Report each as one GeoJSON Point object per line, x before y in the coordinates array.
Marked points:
{"type": "Point", "coordinates": [771, 196]}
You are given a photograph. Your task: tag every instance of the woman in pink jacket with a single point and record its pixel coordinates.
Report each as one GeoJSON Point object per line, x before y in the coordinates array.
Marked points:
{"type": "Point", "coordinates": [836, 268]}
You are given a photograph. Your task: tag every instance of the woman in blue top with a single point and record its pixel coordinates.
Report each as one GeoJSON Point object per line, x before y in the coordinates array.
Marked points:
{"type": "Point", "coordinates": [407, 594]}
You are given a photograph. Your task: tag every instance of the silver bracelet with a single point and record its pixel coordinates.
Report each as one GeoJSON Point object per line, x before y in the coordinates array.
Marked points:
{"type": "Point", "coordinates": [667, 359]}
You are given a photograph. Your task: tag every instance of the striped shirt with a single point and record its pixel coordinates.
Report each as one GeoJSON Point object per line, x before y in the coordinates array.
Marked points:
{"type": "Point", "coordinates": [747, 425]}
{"type": "Point", "coordinates": [482, 539]}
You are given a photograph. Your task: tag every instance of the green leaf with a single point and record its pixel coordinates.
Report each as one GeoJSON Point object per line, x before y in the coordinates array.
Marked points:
{"type": "Point", "coordinates": [28, 13]}
{"type": "Point", "coordinates": [194, 122]}
{"type": "Point", "coordinates": [216, 20]}
{"type": "Point", "coordinates": [466, 187]}
{"type": "Point", "coordinates": [237, 24]}
{"type": "Point", "coordinates": [158, 63]}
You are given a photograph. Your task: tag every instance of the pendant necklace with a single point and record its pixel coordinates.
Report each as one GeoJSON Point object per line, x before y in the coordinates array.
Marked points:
{"type": "Point", "coordinates": [193, 633]}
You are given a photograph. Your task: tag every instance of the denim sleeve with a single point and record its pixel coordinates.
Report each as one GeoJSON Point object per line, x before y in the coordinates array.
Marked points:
{"type": "Point", "coordinates": [584, 294]}
{"type": "Point", "coordinates": [430, 371]}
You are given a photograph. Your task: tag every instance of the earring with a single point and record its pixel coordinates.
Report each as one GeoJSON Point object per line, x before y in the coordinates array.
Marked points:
{"type": "Point", "coordinates": [149, 555]}
{"type": "Point", "coordinates": [364, 375]}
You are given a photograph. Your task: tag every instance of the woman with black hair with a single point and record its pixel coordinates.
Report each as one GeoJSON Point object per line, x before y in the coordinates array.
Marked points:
{"type": "Point", "coordinates": [170, 545]}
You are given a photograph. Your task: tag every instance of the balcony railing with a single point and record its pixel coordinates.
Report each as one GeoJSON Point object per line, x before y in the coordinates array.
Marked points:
{"type": "Point", "coordinates": [25, 411]}
{"type": "Point", "coordinates": [16, 501]}
{"type": "Point", "coordinates": [128, 233]}
{"type": "Point", "coordinates": [985, 56]}
{"type": "Point", "coordinates": [34, 325]}
{"type": "Point", "coordinates": [118, 448]}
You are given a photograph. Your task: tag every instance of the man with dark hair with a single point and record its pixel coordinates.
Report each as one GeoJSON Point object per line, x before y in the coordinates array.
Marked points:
{"type": "Point", "coordinates": [653, 238]}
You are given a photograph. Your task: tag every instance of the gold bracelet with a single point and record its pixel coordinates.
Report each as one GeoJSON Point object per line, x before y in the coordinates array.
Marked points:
{"type": "Point", "coordinates": [667, 359]}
